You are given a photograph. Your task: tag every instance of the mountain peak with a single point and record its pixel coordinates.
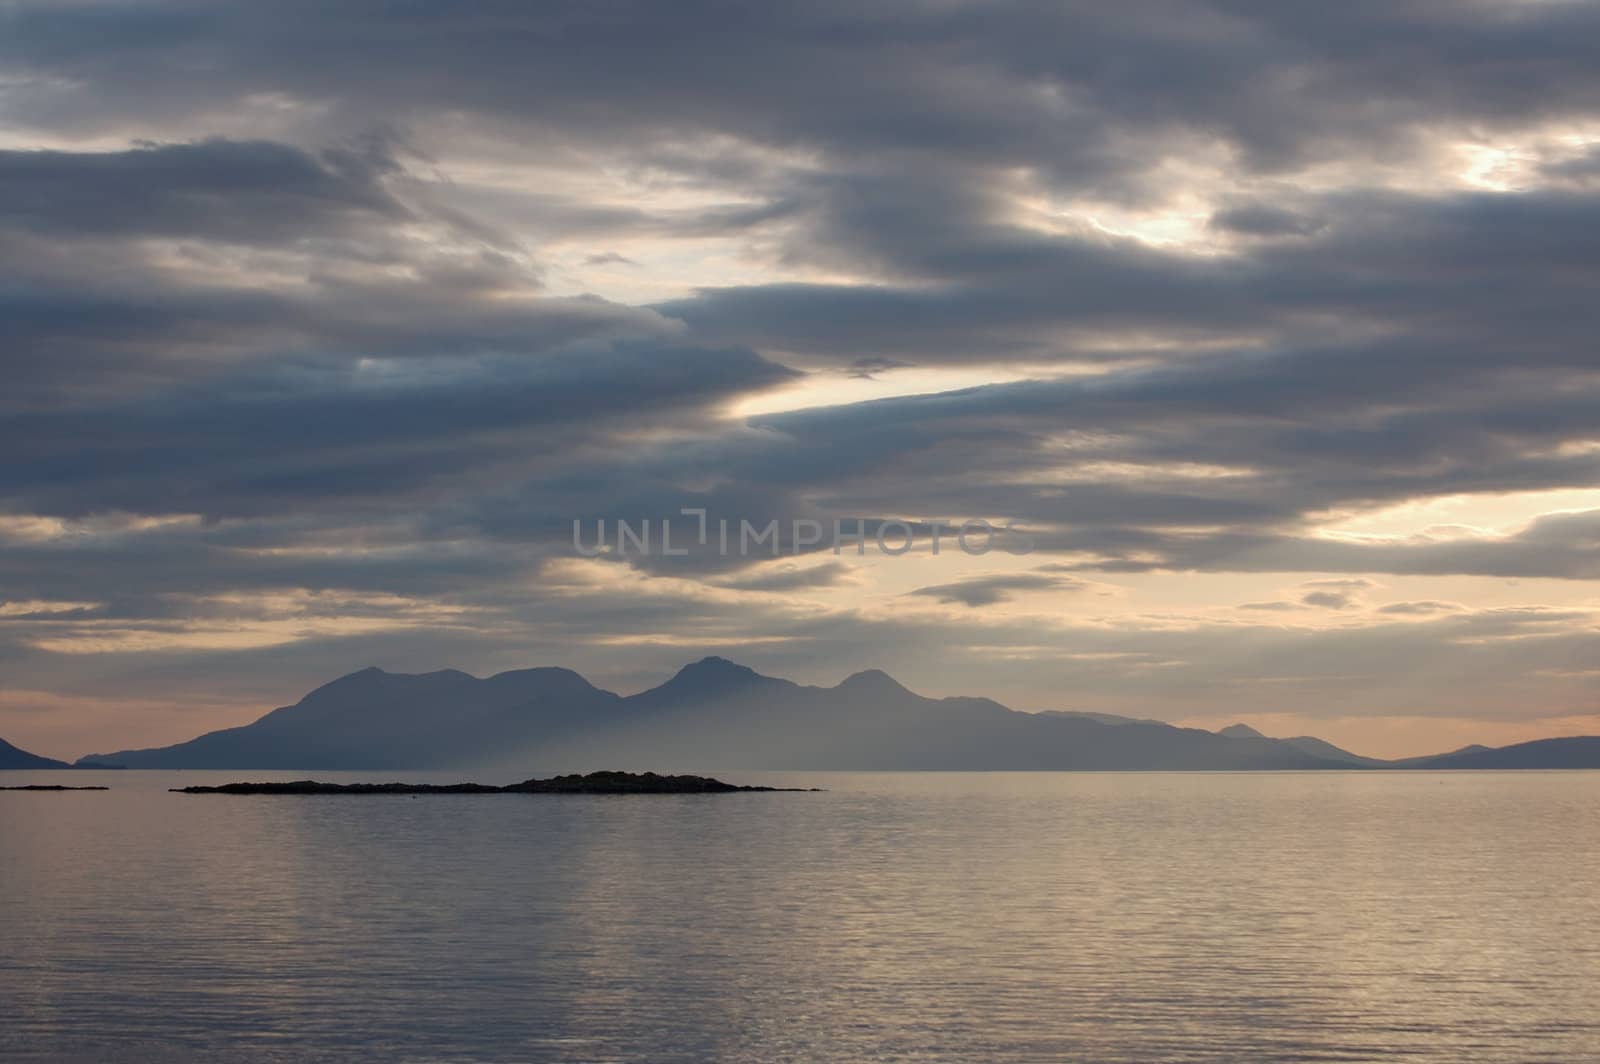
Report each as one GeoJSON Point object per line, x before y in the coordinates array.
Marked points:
{"type": "Point", "coordinates": [709, 679]}
{"type": "Point", "coordinates": [714, 670]}
{"type": "Point", "coordinates": [361, 679]}
{"type": "Point", "coordinates": [1241, 731]}
{"type": "Point", "coordinates": [871, 680]}
{"type": "Point", "coordinates": [713, 662]}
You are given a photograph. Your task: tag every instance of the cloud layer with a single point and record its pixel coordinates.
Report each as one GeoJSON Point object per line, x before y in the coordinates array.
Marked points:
{"type": "Point", "coordinates": [1272, 325]}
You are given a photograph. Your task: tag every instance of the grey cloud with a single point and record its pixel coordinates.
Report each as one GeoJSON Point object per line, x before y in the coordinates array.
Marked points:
{"type": "Point", "coordinates": [1422, 608]}
{"type": "Point", "coordinates": [962, 286]}
{"type": "Point", "coordinates": [280, 255]}
{"type": "Point", "coordinates": [1300, 433]}
{"type": "Point", "coordinates": [1020, 83]}
{"type": "Point", "coordinates": [250, 191]}
{"type": "Point", "coordinates": [1558, 546]}
{"type": "Point", "coordinates": [988, 590]}
{"type": "Point", "coordinates": [870, 368]}
{"type": "Point", "coordinates": [1265, 220]}
{"type": "Point", "coordinates": [1328, 600]}
{"type": "Point", "coordinates": [1130, 287]}
{"type": "Point", "coordinates": [265, 443]}
{"type": "Point", "coordinates": [1580, 169]}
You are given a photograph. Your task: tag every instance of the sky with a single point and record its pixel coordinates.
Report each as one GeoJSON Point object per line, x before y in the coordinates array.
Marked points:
{"type": "Point", "coordinates": [1271, 325]}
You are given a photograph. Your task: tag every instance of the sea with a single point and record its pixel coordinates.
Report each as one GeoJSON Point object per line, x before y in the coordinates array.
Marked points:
{"type": "Point", "coordinates": [990, 917]}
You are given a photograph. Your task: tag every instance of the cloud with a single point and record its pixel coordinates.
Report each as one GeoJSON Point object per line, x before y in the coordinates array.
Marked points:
{"type": "Point", "coordinates": [1328, 600]}
{"type": "Point", "coordinates": [790, 577]}
{"type": "Point", "coordinates": [1001, 587]}
{"type": "Point", "coordinates": [911, 78]}
{"type": "Point", "coordinates": [1265, 220]}
{"type": "Point", "coordinates": [217, 190]}
{"type": "Point", "coordinates": [270, 443]}
{"type": "Point", "coordinates": [1424, 608]}
{"type": "Point", "coordinates": [1335, 594]}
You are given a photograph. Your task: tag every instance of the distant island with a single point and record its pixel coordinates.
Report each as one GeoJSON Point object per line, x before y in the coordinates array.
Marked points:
{"type": "Point", "coordinates": [52, 787]}
{"type": "Point", "coordinates": [591, 783]}
{"type": "Point", "coordinates": [717, 715]}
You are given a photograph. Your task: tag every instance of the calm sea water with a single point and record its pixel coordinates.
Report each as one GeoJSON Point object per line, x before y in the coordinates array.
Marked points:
{"type": "Point", "coordinates": [974, 917]}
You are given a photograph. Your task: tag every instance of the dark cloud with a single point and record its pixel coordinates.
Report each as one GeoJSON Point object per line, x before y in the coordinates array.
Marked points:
{"type": "Point", "coordinates": [965, 287]}
{"type": "Point", "coordinates": [870, 368]}
{"type": "Point", "coordinates": [214, 190]}
{"type": "Point", "coordinates": [608, 258]}
{"type": "Point", "coordinates": [1581, 169]}
{"type": "Point", "coordinates": [1081, 89]}
{"type": "Point", "coordinates": [286, 441]}
{"type": "Point", "coordinates": [1265, 220]}
{"type": "Point", "coordinates": [988, 590]}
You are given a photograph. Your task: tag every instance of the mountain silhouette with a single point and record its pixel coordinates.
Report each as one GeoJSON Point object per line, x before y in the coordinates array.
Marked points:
{"type": "Point", "coordinates": [1310, 744]}
{"type": "Point", "coordinates": [1582, 751]}
{"type": "Point", "coordinates": [378, 720]}
{"type": "Point", "coordinates": [13, 757]}
{"type": "Point", "coordinates": [715, 713]}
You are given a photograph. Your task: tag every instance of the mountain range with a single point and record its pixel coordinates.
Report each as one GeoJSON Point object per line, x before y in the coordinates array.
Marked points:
{"type": "Point", "coordinates": [718, 714]}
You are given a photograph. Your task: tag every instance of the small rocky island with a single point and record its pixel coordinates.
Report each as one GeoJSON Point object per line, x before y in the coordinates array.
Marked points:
{"type": "Point", "coordinates": [592, 783]}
